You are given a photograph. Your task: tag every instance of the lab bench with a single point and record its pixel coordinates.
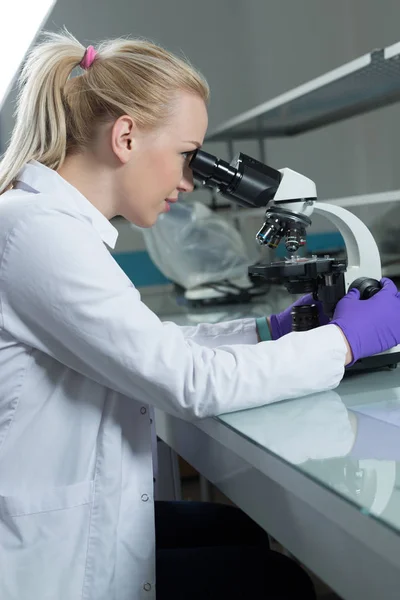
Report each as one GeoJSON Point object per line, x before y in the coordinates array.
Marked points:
{"type": "Point", "coordinates": [320, 473]}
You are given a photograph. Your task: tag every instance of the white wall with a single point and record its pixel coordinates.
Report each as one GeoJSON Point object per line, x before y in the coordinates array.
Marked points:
{"type": "Point", "coordinates": [252, 50]}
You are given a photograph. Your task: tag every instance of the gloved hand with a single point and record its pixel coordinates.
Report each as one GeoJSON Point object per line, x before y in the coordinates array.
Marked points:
{"type": "Point", "coordinates": [281, 324]}
{"type": "Point", "coordinates": [370, 326]}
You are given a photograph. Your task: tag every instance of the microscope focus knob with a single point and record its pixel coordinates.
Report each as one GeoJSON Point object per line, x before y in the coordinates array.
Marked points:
{"type": "Point", "coordinates": [367, 287]}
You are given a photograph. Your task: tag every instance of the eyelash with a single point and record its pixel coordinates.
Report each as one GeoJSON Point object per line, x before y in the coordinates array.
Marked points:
{"type": "Point", "coordinates": [187, 155]}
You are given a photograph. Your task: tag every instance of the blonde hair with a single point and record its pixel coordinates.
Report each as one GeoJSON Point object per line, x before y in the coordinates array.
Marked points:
{"type": "Point", "coordinates": [57, 114]}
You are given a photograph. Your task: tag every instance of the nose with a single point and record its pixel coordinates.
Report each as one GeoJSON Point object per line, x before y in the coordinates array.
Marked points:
{"type": "Point", "coordinates": [186, 184]}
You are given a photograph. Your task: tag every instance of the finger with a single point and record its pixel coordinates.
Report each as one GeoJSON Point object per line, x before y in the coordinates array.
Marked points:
{"type": "Point", "coordinates": [389, 285]}
{"type": "Point", "coordinates": [353, 294]}
{"type": "Point", "coordinates": [307, 299]}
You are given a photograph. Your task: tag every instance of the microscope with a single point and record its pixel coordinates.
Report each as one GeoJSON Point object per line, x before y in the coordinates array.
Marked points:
{"type": "Point", "coordinates": [290, 200]}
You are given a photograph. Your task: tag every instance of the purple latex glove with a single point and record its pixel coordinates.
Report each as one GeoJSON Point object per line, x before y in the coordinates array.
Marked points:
{"type": "Point", "coordinates": [281, 324]}
{"type": "Point", "coordinates": [370, 326]}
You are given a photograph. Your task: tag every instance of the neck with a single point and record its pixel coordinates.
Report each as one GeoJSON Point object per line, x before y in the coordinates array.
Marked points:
{"type": "Point", "coordinates": [92, 180]}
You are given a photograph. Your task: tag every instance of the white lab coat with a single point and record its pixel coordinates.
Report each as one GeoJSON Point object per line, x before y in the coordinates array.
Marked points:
{"type": "Point", "coordinates": [81, 360]}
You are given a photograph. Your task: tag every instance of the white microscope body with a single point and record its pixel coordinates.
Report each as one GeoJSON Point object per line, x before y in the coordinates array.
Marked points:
{"type": "Point", "coordinates": [297, 195]}
{"type": "Point", "coordinates": [290, 199]}
{"type": "Point", "coordinates": [363, 258]}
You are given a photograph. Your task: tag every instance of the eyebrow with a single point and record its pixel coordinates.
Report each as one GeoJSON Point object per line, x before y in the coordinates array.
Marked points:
{"type": "Point", "coordinates": [197, 144]}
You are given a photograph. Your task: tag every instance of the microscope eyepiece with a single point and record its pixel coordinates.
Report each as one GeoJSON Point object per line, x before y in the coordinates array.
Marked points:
{"type": "Point", "coordinates": [212, 171]}
{"type": "Point", "coordinates": [245, 180]}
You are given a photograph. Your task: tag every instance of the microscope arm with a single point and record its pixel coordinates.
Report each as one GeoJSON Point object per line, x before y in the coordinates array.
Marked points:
{"type": "Point", "coordinates": [363, 259]}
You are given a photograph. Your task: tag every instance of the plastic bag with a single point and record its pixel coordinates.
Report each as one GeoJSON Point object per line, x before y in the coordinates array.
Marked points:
{"type": "Point", "coordinates": [192, 246]}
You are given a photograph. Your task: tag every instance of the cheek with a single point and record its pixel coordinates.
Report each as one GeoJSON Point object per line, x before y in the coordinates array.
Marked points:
{"type": "Point", "coordinates": [155, 174]}
{"type": "Point", "coordinates": [169, 174]}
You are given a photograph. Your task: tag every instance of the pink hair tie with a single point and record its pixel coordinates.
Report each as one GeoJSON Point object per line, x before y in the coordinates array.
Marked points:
{"type": "Point", "coordinates": [88, 58]}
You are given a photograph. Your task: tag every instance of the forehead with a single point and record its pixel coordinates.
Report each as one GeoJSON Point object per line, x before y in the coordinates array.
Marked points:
{"type": "Point", "coordinates": [189, 119]}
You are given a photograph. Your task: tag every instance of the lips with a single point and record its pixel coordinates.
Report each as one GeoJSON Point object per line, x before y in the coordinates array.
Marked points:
{"type": "Point", "coordinates": [172, 200]}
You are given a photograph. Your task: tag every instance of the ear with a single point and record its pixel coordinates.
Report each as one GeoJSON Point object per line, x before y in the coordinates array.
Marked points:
{"type": "Point", "coordinates": [122, 136]}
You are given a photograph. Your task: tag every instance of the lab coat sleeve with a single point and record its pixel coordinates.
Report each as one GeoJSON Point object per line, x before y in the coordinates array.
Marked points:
{"type": "Point", "coordinates": [62, 292]}
{"type": "Point", "coordinates": [239, 331]}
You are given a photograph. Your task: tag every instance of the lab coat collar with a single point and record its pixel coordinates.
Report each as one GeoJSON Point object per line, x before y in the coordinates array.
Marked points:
{"type": "Point", "coordinates": [40, 178]}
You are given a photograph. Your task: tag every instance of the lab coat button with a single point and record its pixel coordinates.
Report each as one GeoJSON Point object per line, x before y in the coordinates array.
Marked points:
{"type": "Point", "coordinates": [144, 497]}
{"type": "Point", "coordinates": [143, 410]}
{"type": "Point", "coordinates": [147, 587]}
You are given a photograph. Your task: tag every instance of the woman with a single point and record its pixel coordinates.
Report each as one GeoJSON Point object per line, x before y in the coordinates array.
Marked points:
{"type": "Point", "coordinates": [82, 359]}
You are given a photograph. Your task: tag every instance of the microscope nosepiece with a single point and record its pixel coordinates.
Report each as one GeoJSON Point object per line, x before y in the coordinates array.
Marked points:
{"type": "Point", "coordinates": [295, 239]}
{"type": "Point", "coordinates": [270, 234]}
{"type": "Point", "coordinates": [279, 223]}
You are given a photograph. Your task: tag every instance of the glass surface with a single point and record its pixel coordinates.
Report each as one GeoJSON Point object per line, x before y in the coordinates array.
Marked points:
{"type": "Point", "coordinates": [169, 307]}
{"type": "Point", "coordinates": [347, 440]}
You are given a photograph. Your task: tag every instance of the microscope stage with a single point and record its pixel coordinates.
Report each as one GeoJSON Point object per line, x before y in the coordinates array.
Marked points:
{"type": "Point", "coordinates": [297, 268]}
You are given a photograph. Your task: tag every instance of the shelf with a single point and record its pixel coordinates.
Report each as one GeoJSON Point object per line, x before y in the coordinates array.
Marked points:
{"type": "Point", "coordinates": [362, 85]}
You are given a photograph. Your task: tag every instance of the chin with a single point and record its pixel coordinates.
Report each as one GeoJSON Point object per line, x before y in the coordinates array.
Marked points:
{"type": "Point", "coordinates": [142, 222]}
{"type": "Point", "coordinates": [146, 223]}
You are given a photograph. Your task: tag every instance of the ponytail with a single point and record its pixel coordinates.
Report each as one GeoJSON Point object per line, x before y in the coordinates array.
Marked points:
{"type": "Point", "coordinates": [40, 129]}
{"type": "Point", "coordinates": [58, 115]}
